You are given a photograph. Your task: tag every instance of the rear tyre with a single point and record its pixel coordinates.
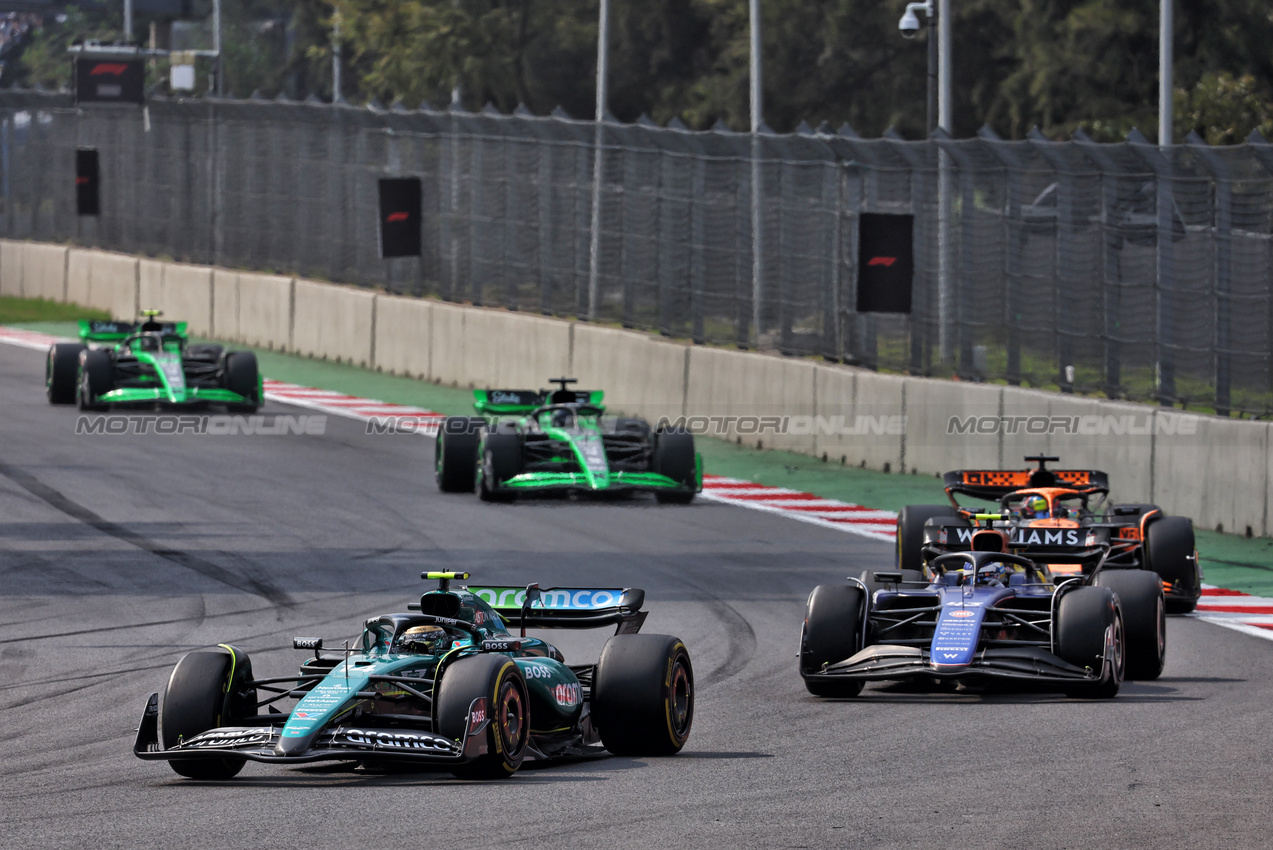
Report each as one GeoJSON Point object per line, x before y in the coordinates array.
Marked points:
{"type": "Point", "coordinates": [194, 702]}
{"type": "Point", "coordinates": [832, 632]}
{"type": "Point", "coordinates": [1169, 550]}
{"type": "Point", "coordinates": [1144, 622]}
{"type": "Point", "coordinates": [242, 376]}
{"type": "Point", "coordinates": [643, 695]}
{"type": "Point", "coordinates": [910, 533]}
{"type": "Point", "coordinates": [674, 458]}
{"type": "Point", "coordinates": [1083, 618]}
{"type": "Point", "coordinates": [61, 370]}
{"type": "Point", "coordinates": [455, 453]}
{"type": "Point", "coordinates": [501, 460]}
{"type": "Point", "coordinates": [96, 378]}
{"type": "Point", "coordinates": [495, 679]}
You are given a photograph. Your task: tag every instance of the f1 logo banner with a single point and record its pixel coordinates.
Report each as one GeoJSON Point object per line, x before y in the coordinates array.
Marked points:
{"type": "Point", "coordinates": [400, 217]}
{"type": "Point", "coordinates": [87, 182]}
{"type": "Point", "coordinates": [109, 80]}
{"type": "Point", "coordinates": [885, 263]}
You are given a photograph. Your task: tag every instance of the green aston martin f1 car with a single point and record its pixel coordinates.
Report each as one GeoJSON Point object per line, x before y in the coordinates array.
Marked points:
{"type": "Point", "coordinates": [528, 441]}
{"type": "Point", "coordinates": [444, 685]}
{"type": "Point", "coordinates": [149, 364]}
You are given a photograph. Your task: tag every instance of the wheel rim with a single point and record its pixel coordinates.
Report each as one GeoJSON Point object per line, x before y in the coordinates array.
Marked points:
{"type": "Point", "coordinates": [512, 720]}
{"type": "Point", "coordinates": [680, 701]}
{"type": "Point", "coordinates": [1160, 624]}
{"type": "Point", "coordinates": [1120, 656]}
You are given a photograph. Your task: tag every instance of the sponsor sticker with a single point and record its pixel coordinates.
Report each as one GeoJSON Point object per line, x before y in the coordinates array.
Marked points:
{"type": "Point", "coordinates": [567, 695]}
{"type": "Point", "coordinates": [960, 613]}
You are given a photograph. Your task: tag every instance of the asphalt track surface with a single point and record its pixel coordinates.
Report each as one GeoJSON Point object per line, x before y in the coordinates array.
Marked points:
{"type": "Point", "coordinates": [120, 554]}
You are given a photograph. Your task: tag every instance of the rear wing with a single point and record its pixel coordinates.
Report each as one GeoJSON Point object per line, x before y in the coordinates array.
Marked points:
{"type": "Point", "coordinates": [509, 402]}
{"type": "Point", "coordinates": [994, 484]}
{"type": "Point", "coordinates": [567, 607]}
{"type": "Point", "coordinates": [92, 330]}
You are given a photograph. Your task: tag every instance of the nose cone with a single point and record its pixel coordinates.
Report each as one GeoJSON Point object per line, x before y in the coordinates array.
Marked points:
{"type": "Point", "coordinates": [293, 744]}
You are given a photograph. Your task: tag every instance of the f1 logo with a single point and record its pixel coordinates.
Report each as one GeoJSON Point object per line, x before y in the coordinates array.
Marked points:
{"type": "Point", "coordinates": [887, 262]}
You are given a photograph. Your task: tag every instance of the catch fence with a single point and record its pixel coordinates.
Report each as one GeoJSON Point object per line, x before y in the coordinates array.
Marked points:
{"type": "Point", "coordinates": [1122, 269]}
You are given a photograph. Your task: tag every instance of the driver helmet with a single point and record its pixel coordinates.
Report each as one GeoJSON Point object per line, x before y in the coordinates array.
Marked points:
{"type": "Point", "coordinates": [993, 572]}
{"type": "Point", "coordinates": [1035, 507]}
{"type": "Point", "coordinates": [147, 343]}
{"type": "Point", "coordinates": [427, 640]}
{"type": "Point", "coordinates": [563, 418]}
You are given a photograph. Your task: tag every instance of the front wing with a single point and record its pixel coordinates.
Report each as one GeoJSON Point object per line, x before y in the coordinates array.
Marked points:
{"type": "Point", "coordinates": [341, 743]}
{"type": "Point", "coordinates": [616, 481]}
{"type": "Point", "coordinates": [1028, 664]}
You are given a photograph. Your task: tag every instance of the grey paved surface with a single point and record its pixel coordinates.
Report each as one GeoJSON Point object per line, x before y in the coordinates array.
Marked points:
{"type": "Point", "coordinates": [119, 554]}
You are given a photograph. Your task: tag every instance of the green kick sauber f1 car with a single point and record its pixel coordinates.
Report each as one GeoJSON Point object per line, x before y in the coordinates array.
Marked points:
{"type": "Point", "coordinates": [528, 441]}
{"type": "Point", "coordinates": [446, 685]}
{"type": "Point", "coordinates": [149, 364]}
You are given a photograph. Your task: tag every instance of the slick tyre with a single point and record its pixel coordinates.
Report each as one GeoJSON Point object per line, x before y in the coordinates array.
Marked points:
{"type": "Point", "coordinates": [241, 375]}
{"type": "Point", "coordinates": [194, 702]}
{"type": "Point", "coordinates": [96, 378]}
{"type": "Point", "coordinates": [1169, 549]}
{"type": "Point", "coordinates": [1084, 616]}
{"type": "Point", "coordinates": [501, 460]}
{"type": "Point", "coordinates": [60, 372]}
{"type": "Point", "coordinates": [455, 453]}
{"type": "Point", "coordinates": [674, 457]}
{"type": "Point", "coordinates": [910, 532]}
{"type": "Point", "coordinates": [643, 695]}
{"type": "Point", "coordinates": [832, 632]}
{"type": "Point", "coordinates": [1144, 619]}
{"type": "Point", "coordinates": [497, 681]}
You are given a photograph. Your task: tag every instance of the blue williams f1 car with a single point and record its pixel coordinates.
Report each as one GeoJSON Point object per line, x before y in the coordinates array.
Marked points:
{"type": "Point", "coordinates": [445, 685]}
{"type": "Point", "coordinates": [981, 616]}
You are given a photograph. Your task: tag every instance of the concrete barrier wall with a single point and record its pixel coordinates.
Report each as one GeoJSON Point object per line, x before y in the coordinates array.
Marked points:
{"type": "Point", "coordinates": [490, 348]}
{"type": "Point", "coordinates": [225, 305]}
{"type": "Point", "coordinates": [44, 271]}
{"type": "Point", "coordinates": [265, 311]}
{"type": "Point", "coordinates": [114, 285]}
{"type": "Point", "coordinates": [1218, 471]}
{"type": "Point", "coordinates": [404, 329]}
{"type": "Point", "coordinates": [861, 419]}
{"type": "Point", "coordinates": [750, 386]}
{"type": "Point", "coordinates": [333, 322]}
{"type": "Point", "coordinates": [640, 375]}
{"type": "Point", "coordinates": [183, 293]}
{"type": "Point", "coordinates": [10, 268]}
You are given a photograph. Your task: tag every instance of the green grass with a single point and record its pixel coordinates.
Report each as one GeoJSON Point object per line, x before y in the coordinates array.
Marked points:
{"type": "Point", "coordinates": [14, 310]}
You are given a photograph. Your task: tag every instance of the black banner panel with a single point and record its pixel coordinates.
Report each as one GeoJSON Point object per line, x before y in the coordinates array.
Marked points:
{"type": "Point", "coordinates": [886, 264]}
{"type": "Point", "coordinates": [400, 217]}
{"type": "Point", "coordinates": [87, 183]}
{"type": "Point", "coordinates": [109, 80]}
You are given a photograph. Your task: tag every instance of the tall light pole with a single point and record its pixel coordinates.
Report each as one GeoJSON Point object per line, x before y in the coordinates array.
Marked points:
{"type": "Point", "coordinates": [594, 243]}
{"type": "Point", "coordinates": [216, 47]}
{"type": "Point", "coordinates": [757, 118]}
{"type": "Point", "coordinates": [128, 21]}
{"type": "Point", "coordinates": [337, 97]}
{"type": "Point", "coordinates": [909, 25]}
{"type": "Point", "coordinates": [1165, 47]}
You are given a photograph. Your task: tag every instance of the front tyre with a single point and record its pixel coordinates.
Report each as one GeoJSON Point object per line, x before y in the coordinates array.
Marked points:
{"type": "Point", "coordinates": [96, 378]}
{"type": "Point", "coordinates": [497, 680]}
{"type": "Point", "coordinates": [832, 632]}
{"type": "Point", "coordinates": [501, 460]}
{"type": "Point", "coordinates": [455, 453]}
{"type": "Point", "coordinates": [60, 372]}
{"type": "Point", "coordinates": [241, 375]}
{"type": "Point", "coordinates": [643, 695]}
{"type": "Point", "coordinates": [196, 701]}
{"type": "Point", "coordinates": [1141, 598]}
{"type": "Point", "coordinates": [674, 458]}
{"type": "Point", "coordinates": [1088, 620]}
